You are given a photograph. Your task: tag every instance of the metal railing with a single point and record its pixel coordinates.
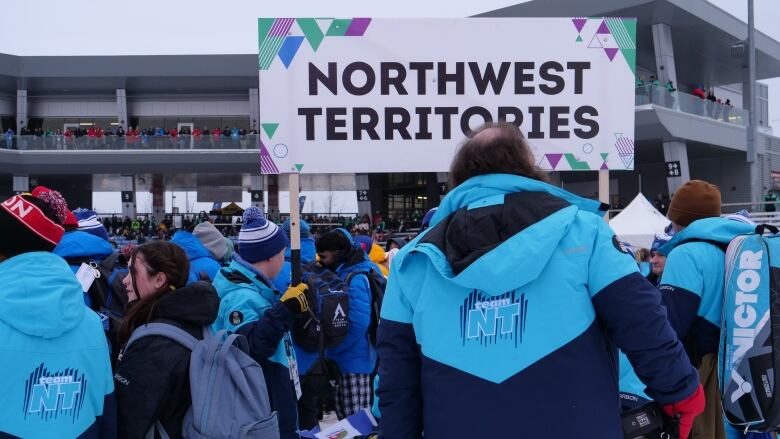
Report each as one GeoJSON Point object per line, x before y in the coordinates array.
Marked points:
{"type": "Point", "coordinates": [182, 142]}
{"type": "Point", "coordinates": [687, 103]}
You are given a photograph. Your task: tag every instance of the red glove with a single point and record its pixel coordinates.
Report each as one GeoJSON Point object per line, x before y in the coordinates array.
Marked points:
{"type": "Point", "coordinates": [688, 409]}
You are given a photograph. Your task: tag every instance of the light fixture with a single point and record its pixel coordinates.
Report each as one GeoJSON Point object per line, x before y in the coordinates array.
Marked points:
{"type": "Point", "coordinates": [86, 124]}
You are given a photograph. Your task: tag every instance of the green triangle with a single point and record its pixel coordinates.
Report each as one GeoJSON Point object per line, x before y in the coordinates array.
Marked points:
{"type": "Point", "coordinates": [312, 32]}
{"type": "Point", "coordinates": [270, 128]}
{"type": "Point", "coordinates": [299, 166]}
{"type": "Point", "coordinates": [630, 56]}
{"type": "Point", "coordinates": [579, 38]}
{"type": "Point", "coordinates": [263, 27]}
{"type": "Point", "coordinates": [604, 155]}
{"type": "Point", "coordinates": [338, 27]}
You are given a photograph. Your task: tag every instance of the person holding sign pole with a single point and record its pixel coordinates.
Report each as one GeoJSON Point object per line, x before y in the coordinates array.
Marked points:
{"type": "Point", "coordinates": [503, 319]}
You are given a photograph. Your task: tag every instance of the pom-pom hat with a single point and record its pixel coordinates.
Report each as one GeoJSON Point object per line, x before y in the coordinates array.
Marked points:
{"type": "Point", "coordinates": [259, 239]}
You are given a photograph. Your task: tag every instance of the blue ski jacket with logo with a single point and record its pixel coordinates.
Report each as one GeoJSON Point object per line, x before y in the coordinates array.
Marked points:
{"type": "Point", "coordinates": [250, 306]}
{"type": "Point", "coordinates": [54, 359]}
{"type": "Point", "coordinates": [504, 319]}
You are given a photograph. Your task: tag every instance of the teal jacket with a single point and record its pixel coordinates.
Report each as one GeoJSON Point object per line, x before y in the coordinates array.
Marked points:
{"type": "Point", "coordinates": [57, 380]}
{"type": "Point", "coordinates": [249, 305]}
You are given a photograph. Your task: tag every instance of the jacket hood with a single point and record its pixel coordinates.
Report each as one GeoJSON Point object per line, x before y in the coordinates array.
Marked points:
{"type": "Point", "coordinates": [496, 232]}
{"type": "Point", "coordinates": [191, 245]}
{"type": "Point", "coordinates": [78, 244]}
{"type": "Point", "coordinates": [196, 304]}
{"type": "Point", "coordinates": [720, 230]}
{"type": "Point", "coordinates": [308, 251]}
{"type": "Point", "coordinates": [244, 272]}
{"type": "Point", "coordinates": [40, 295]}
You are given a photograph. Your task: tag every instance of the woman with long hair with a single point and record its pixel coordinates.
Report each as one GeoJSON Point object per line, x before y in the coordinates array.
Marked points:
{"type": "Point", "coordinates": [152, 378]}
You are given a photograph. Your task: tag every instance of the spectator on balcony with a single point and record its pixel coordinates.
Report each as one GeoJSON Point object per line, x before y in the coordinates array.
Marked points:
{"type": "Point", "coordinates": [120, 131]}
{"type": "Point", "coordinates": [173, 133]}
{"type": "Point", "coordinates": [226, 132]}
{"type": "Point", "coordinates": [216, 132]}
{"type": "Point", "coordinates": [196, 132]}
{"type": "Point", "coordinates": [206, 131]}
{"type": "Point", "coordinates": [771, 199]}
{"type": "Point", "coordinates": [9, 138]}
{"type": "Point", "coordinates": [242, 132]}
{"type": "Point", "coordinates": [159, 132]}
{"type": "Point", "coordinates": [699, 91]}
{"type": "Point", "coordinates": [234, 134]}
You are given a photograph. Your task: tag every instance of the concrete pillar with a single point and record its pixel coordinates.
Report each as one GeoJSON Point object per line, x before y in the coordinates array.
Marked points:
{"type": "Point", "coordinates": [21, 110]}
{"type": "Point", "coordinates": [256, 186]}
{"type": "Point", "coordinates": [676, 151]}
{"type": "Point", "coordinates": [121, 107]}
{"type": "Point", "coordinates": [127, 184]}
{"type": "Point", "coordinates": [254, 109]}
{"type": "Point", "coordinates": [664, 54]}
{"type": "Point", "coordinates": [158, 197]}
{"type": "Point", "coordinates": [21, 184]}
{"type": "Point", "coordinates": [273, 196]}
{"type": "Point", "coordinates": [364, 201]}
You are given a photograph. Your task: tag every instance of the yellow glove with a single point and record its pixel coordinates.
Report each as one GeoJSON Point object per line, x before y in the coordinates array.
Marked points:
{"type": "Point", "coordinates": [295, 299]}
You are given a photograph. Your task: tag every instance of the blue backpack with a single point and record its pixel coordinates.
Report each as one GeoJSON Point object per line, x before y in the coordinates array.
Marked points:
{"type": "Point", "coordinates": [228, 388]}
{"type": "Point", "coordinates": [326, 324]}
{"type": "Point", "coordinates": [748, 363]}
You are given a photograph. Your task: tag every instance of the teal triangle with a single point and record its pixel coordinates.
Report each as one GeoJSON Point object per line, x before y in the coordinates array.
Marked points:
{"type": "Point", "coordinates": [270, 128]}
{"type": "Point", "coordinates": [579, 38]}
{"type": "Point", "coordinates": [299, 166]}
{"type": "Point", "coordinates": [604, 156]}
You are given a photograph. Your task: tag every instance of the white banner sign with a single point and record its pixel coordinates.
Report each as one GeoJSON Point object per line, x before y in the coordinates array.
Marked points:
{"type": "Point", "coordinates": [398, 95]}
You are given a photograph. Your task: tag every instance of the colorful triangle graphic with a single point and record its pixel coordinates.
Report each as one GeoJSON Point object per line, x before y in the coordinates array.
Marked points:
{"type": "Point", "coordinates": [575, 164]}
{"type": "Point", "coordinates": [289, 49]}
{"type": "Point", "coordinates": [579, 39]}
{"type": "Point", "coordinates": [603, 29]}
{"type": "Point", "coordinates": [299, 166]}
{"type": "Point", "coordinates": [595, 43]}
{"type": "Point", "coordinates": [579, 23]}
{"type": "Point", "coordinates": [611, 51]}
{"type": "Point", "coordinates": [553, 159]}
{"type": "Point", "coordinates": [311, 30]}
{"type": "Point", "coordinates": [270, 128]}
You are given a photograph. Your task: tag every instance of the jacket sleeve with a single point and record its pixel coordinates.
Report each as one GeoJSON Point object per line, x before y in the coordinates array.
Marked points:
{"type": "Point", "coordinates": [400, 396]}
{"type": "Point", "coordinates": [359, 313]}
{"type": "Point", "coordinates": [262, 325]}
{"type": "Point", "coordinates": [143, 382]}
{"type": "Point", "coordinates": [629, 310]}
{"type": "Point", "coordinates": [681, 287]}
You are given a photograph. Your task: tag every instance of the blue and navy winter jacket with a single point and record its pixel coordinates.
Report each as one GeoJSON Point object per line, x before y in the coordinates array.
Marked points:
{"type": "Point", "coordinates": [250, 306]}
{"type": "Point", "coordinates": [692, 283]}
{"type": "Point", "coordinates": [56, 371]}
{"type": "Point", "coordinates": [78, 245]}
{"type": "Point", "coordinates": [503, 318]}
{"type": "Point", "coordinates": [201, 260]}
{"type": "Point", "coordinates": [308, 254]}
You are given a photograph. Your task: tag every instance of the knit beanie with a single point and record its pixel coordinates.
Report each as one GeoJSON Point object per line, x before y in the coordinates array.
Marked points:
{"type": "Point", "coordinates": [259, 239]}
{"type": "Point", "coordinates": [693, 201]}
{"type": "Point", "coordinates": [659, 241]}
{"type": "Point", "coordinates": [305, 229]}
{"type": "Point", "coordinates": [209, 236]}
{"type": "Point", "coordinates": [88, 222]}
{"type": "Point", "coordinates": [365, 242]}
{"type": "Point", "coordinates": [29, 224]}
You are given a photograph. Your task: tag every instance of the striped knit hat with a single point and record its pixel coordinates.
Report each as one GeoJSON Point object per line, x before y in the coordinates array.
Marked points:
{"type": "Point", "coordinates": [88, 222]}
{"type": "Point", "coordinates": [259, 239]}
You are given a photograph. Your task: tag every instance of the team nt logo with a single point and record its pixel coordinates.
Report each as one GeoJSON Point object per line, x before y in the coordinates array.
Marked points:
{"type": "Point", "coordinates": [51, 394]}
{"type": "Point", "coordinates": [492, 319]}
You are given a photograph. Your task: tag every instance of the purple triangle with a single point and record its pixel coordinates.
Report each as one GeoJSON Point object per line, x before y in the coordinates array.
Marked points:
{"type": "Point", "coordinates": [604, 166]}
{"type": "Point", "coordinates": [554, 159]}
{"type": "Point", "coordinates": [603, 29]}
{"type": "Point", "coordinates": [611, 52]}
{"type": "Point", "coordinates": [579, 23]}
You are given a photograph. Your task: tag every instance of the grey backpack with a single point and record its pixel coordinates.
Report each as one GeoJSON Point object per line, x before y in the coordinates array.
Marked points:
{"type": "Point", "coordinates": [228, 389]}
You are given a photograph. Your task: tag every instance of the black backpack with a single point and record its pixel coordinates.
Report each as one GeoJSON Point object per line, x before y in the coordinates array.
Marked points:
{"type": "Point", "coordinates": [107, 294]}
{"type": "Point", "coordinates": [377, 283]}
{"type": "Point", "coordinates": [326, 324]}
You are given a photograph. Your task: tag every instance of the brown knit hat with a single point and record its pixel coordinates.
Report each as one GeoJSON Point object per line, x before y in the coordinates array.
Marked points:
{"type": "Point", "coordinates": [694, 200]}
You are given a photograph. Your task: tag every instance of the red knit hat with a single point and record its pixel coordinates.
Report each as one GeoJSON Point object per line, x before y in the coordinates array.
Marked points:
{"type": "Point", "coordinates": [28, 224]}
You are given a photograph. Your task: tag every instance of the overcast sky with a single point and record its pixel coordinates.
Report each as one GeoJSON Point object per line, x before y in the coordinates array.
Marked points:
{"type": "Point", "coordinates": [159, 27]}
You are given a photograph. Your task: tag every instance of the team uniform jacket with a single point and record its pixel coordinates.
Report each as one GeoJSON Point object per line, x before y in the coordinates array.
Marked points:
{"type": "Point", "coordinates": [53, 355]}
{"type": "Point", "coordinates": [201, 260]}
{"type": "Point", "coordinates": [503, 320]}
{"type": "Point", "coordinates": [249, 305]}
{"type": "Point", "coordinates": [77, 244]}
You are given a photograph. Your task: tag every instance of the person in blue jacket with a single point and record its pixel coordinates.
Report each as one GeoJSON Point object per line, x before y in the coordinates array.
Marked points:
{"type": "Point", "coordinates": [503, 318]}
{"type": "Point", "coordinates": [249, 305]}
{"type": "Point", "coordinates": [308, 254]}
{"type": "Point", "coordinates": [355, 355]}
{"type": "Point", "coordinates": [55, 366]}
{"type": "Point", "coordinates": [692, 287]}
{"type": "Point", "coordinates": [201, 260]}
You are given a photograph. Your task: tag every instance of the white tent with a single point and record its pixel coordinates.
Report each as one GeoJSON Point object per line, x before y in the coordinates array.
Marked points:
{"type": "Point", "coordinates": [639, 223]}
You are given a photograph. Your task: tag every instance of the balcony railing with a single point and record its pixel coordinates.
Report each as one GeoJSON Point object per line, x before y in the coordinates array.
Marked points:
{"type": "Point", "coordinates": [686, 103]}
{"type": "Point", "coordinates": [182, 142]}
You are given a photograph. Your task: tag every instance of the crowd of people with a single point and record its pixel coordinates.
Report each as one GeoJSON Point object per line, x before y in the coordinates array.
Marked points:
{"type": "Point", "coordinates": [515, 296]}
{"type": "Point", "coordinates": [651, 91]}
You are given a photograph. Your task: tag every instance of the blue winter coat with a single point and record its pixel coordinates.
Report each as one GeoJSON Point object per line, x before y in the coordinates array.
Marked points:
{"type": "Point", "coordinates": [502, 319]}
{"type": "Point", "coordinates": [250, 306]}
{"type": "Point", "coordinates": [56, 371]}
{"type": "Point", "coordinates": [201, 260]}
{"type": "Point", "coordinates": [78, 245]}
{"type": "Point", "coordinates": [308, 253]}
